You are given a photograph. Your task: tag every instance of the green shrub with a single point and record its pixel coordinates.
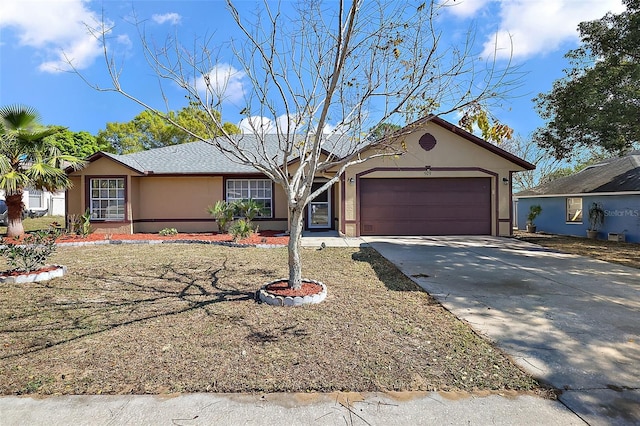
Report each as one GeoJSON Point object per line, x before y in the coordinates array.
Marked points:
{"type": "Point", "coordinates": [248, 209]}
{"type": "Point", "coordinates": [80, 224]}
{"type": "Point", "coordinates": [534, 212]}
{"type": "Point", "coordinates": [241, 229]}
{"type": "Point", "coordinates": [32, 253]}
{"type": "Point", "coordinates": [596, 216]}
{"type": "Point", "coordinates": [222, 213]}
{"type": "Point", "coordinates": [168, 231]}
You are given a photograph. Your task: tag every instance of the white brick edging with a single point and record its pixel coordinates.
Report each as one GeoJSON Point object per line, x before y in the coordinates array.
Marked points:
{"type": "Point", "coordinates": [271, 299]}
{"type": "Point", "coordinates": [34, 276]}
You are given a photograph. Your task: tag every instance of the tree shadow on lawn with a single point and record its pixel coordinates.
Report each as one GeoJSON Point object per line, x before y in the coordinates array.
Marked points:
{"type": "Point", "coordinates": [140, 300]}
{"type": "Point", "coordinates": [277, 334]}
{"type": "Point", "coordinates": [386, 271]}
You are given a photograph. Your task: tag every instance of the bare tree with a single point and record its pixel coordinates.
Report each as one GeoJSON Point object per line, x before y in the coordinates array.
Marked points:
{"type": "Point", "coordinates": [331, 72]}
{"type": "Point", "coordinates": [546, 164]}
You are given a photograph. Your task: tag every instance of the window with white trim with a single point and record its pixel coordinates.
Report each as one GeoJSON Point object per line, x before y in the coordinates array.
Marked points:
{"type": "Point", "coordinates": [107, 199]}
{"type": "Point", "coordinates": [258, 190]}
{"type": "Point", "coordinates": [35, 199]}
{"type": "Point", "coordinates": [574, 210]}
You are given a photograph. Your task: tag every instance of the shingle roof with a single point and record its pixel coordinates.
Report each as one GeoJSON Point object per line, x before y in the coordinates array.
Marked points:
{"type": "Point", "coordinates": [620, 174]}
{"type": "Point", "coordinates": [204, 158]}
{"type": "Point", "coordinates": [188, 158]}
{"type": "Point", "coordinates": [195, 157]}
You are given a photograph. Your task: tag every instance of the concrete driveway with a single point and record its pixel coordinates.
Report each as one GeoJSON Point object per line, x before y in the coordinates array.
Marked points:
{"type": "Point", "coordinates": [570, 321]}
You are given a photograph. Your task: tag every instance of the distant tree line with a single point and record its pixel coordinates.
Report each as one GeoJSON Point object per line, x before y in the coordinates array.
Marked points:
{"type": "Point", "coordinates": [145, 131]}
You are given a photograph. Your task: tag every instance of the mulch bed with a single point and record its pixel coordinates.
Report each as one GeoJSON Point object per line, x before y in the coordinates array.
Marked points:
{"type": "Point", "coordinates": [262, 237]}
{"type": "Point", "coordinates": [281, 288]}
{"type": "Point", "coordinates": [15, 273]}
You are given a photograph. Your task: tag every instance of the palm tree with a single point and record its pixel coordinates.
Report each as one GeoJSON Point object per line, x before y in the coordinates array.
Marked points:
{"type": "Point", "coordinates": [28, 160]}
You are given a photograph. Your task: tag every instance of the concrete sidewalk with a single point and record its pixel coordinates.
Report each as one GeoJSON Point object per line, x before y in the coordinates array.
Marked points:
{"type": "Point", "coordinates": [330, 239]}
{"type": "Point", "coordinates": [570, 321]}
{"type": "Point", "coordinates": [286, 409]}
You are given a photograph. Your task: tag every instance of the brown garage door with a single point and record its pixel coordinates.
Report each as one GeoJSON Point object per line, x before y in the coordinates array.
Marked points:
{"type": "Point", "coordinates": [449, 206]}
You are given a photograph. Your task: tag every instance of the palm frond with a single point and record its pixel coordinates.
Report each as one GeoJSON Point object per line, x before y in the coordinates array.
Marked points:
{"type": "Point", "coordinates": [5, 164]}
{"type": "Point", "coordinates": [35, 136]}
{"type": "Point", "coordinates": [64, 161]}
{"type": "Point", "coordinates": [16, 116]}
{"type": "Point", "coordinates": [12, 181]}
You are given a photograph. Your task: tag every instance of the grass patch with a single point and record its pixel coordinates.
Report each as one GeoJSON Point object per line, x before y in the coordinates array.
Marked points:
{"type": "Point", "coordinates": [182, 318]}
{"type": "Point", "coordinates": [610, 251]}
{"type": "Point", "coordinates": [37, 223]}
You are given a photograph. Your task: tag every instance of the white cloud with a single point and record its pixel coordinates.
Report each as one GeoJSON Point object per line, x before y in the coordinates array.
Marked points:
{"type": "Point", "coordinates": [528, 28]}
{"type": "Point", "coordinates": [465, 8]}
{"type": "Point", "coordinates": [172, 18]}
{"type": "Point", "coordinates": [225, 82]}
{"type": "Point", "coordinates": [257, 124]}
{"type": "Point", "coordinates": [81, 53]}
{"type": "Point", "coordinates": [54, 27]}
{"type": "Point", "coordinates": [282, 123]}
{"type": "Point", "coordinates": [124, 40]}
{"type": "Point", "coordinates": [329, 128]}
{"type": "Point", "coordinates": [265, 125]}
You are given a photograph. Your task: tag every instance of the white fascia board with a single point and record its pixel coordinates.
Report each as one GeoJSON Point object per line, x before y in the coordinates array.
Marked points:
{"type": "Point", "coordinates": [590, 194]}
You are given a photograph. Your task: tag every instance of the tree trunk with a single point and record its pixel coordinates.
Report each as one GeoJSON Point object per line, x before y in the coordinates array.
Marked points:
{"type": "Point", "coordinates": [14, 215]}
{"type": "Point", "coordinates": [295, 236]}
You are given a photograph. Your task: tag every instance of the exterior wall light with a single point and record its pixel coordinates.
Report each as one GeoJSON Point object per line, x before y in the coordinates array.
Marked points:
{"type": "Point", "coordinates": [505, 181]}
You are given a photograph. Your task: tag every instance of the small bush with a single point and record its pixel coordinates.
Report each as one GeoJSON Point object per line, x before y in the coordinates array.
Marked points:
{"type": "Point", "coordinates": [534, 212]}
{"type": "Point", "coordinates": [32, 253]}
{"type": "Point", "coordinates": [80, 224]}
{"type": "Point", "coordinates": [240, 229]}
{"type": "Point", "coordinates": [168, 231]}
{"type": "Point", "coordinates": [222, 213]}
{"type": "Point", "coordinates": [248, 209]}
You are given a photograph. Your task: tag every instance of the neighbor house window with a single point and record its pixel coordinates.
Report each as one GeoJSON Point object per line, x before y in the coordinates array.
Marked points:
{"type": "Point", "coordinates": [107, 198]}
{"type": "Point", "coordinates": [574, 210]}
{"type": "Point", "coordinates": [258, 190]}
{"type": "Point", "coordinates": [35, 199]}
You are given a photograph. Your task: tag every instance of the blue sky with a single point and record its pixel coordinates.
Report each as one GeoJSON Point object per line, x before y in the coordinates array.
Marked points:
{"type": "Point", "coordinates": [34, 33]}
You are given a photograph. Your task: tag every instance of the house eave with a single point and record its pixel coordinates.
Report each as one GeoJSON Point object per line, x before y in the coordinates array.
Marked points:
{"type": "Point", "coordinates": [578, 194]}
{"type": "Point", "coordinates": [101, 154]}
{"type": "Point", "coordinates": [201, 174]}
{"type": "Point", "coordinates": [481, 142]}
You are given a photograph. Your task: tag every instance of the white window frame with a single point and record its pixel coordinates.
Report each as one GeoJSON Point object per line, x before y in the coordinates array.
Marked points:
{"type": "Point", "coordinates": [103, 200]}
{"type": "Point", "coordinates": [574, 210]}
{"type": "Point", "coordinates": [259, 190]}
{"type": "Point", "coordinates": [35, 194]}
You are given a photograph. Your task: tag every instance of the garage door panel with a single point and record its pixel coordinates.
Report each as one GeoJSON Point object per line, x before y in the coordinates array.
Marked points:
{"type": "Point", "coordinates": [425, 206]}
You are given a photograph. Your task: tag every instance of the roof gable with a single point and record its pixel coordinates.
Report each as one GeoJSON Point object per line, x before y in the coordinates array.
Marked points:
{"type": "Point", "coordinates": [482, 143]}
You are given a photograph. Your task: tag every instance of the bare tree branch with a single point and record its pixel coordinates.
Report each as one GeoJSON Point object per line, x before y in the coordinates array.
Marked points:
{"type": "Point", "coordinates": [326, 76]}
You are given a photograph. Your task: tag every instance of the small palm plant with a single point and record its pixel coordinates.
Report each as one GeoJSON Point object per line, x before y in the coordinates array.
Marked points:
{"type": "Point", "coordinates": [222, 213]}
{"type": "Point", "coordinates": [249, 209]}
{"type": "Point", "coordinates": [534, 212]}
{"type": "Point", "coordinates": [241, 229]}
{"type": "Point", "coordinates": [596, 219]}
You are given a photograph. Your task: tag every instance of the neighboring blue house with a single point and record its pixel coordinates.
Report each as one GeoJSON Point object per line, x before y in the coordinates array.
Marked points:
{"type": "Point", "coordinates": [613, 183]}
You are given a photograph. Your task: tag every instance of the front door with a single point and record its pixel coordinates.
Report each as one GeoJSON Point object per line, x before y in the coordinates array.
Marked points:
{"type": "Point", "coordinates": [319, 211]}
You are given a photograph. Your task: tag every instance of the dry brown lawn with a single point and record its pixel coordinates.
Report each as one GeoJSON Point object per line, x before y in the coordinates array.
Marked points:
{"type": "Point", "coordinates": [182, 318]}
{"type": "Point", "coordinates": [626, 254]}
